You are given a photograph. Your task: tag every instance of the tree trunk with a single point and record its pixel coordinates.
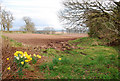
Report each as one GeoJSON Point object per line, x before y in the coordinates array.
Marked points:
{"type": "Point", "coordinates": [4, 27]}
{"type": "Point", "coordinates": [8, 29]}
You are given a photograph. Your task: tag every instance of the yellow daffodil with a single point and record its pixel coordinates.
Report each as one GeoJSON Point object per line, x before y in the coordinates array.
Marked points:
{"type": "Point", "coordinates": [20, 52]}
{"type": "Point", "coordinates": [7, 58]}
{"type": "Point", "coordinates": [39, 57]}
{"type": "Point", "coordinates": [22, 63]}
{"type": "Point", "coordinates": [8, 68]}
{"type": "Point", "coordinates": [26, 60]}
{"type": "Point", "coordinates": [28, 57]}
{"type": "Point", "coordinates": [25, 52]}
{"type": "Point", "coordinates": [34, 55]}
{"type": "Point", "coordinates": [59, 59]}
{"type": "Point", "coordinates": [15, 54]}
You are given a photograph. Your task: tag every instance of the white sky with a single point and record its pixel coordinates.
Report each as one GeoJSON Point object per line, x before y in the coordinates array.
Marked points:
{"type": "Point", "coordinates": [43, 12]}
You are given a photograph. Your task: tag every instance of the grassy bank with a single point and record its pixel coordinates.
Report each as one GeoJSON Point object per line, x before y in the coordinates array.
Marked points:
{"type": "Point", "coordinates": [12, 42]}
{"type": "Point", "coordinates": [92, 60]}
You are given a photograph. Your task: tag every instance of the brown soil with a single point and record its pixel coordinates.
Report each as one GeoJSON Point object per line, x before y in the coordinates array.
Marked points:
{"type": "Point", "coordinates": [42, 39]}
{"type": "Point", "coordinates": [58, 42]}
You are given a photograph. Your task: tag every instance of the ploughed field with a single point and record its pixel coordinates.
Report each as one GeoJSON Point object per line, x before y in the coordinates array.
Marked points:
{"type": "Point", "coordinates": [44, 41]}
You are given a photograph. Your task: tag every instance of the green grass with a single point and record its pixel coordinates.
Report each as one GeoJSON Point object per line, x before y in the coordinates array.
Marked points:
{"type": "Point", "coordinates": [29, 67]}
{"type": "Point", "coordinates": [87, 42]}
{"type": "Point", "coordinates": [95, 61]}
{"type": "Point", "coordinates": [15, 43]}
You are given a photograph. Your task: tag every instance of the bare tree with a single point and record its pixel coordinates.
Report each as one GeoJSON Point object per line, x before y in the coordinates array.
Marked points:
{"type": "Point", "coordinates": [74, 13]}
{"type": "Point", "coordinates": [99, 15]}
{"type": "Point", "coordinates": [6, 19]}
{"type": "Point", "coordinates": [29, 25]}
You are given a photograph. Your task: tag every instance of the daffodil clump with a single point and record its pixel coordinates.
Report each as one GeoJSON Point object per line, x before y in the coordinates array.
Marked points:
{"type": "Point", "coordinates": [21, 59]}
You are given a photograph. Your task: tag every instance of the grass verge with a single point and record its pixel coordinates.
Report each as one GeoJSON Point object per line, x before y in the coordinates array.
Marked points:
{"type": "Point", "coordinates": [13, 43]}
{"type": "Point", "coordinates": [94, 61]}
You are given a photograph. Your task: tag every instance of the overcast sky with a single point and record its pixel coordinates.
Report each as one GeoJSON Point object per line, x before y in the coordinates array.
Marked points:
{"type": "Point", "coordinates": [43, 12]}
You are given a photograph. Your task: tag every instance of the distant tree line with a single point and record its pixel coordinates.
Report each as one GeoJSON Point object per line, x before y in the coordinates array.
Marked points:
{"type": "Point", "coordinates": [49, 30]}
{"type": "Point", "coordinates": [102, 17]}
{"type": "Point", "coordinates": [46, 30]}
